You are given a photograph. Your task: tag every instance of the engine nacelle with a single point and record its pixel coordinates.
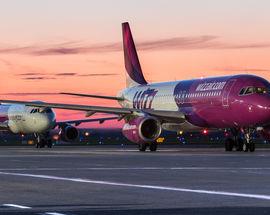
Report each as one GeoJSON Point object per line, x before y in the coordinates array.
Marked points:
{"type": "Point", "coordinates": [69, 133]}
{"type": "Point", "coordinates": [265, 133]}
{"type": "Point", "coordinates": [142, 129]}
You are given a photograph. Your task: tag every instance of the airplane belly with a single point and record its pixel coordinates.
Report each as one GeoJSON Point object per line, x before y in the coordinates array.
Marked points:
{"type": "Point", "coordinates": [210, 117]}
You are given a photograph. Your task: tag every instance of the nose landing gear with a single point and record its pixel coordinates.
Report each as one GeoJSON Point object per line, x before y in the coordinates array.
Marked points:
{"type": "Point", "coordinates": [241, 140]}
{"type": "Point", "coordinates": [43, 140]}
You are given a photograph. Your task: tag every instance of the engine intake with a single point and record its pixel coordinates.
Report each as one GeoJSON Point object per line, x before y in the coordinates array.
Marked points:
{"type": "Point", "coordinates": [142, 129]}
{"type": "Point", "coordinates": [69, 133]}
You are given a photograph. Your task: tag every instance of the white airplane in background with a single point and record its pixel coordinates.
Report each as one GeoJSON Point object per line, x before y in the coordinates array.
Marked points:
{"type": "Point", "coordinates": [40, 121]}
{"type": "Point", "coordinates": [239, 103]}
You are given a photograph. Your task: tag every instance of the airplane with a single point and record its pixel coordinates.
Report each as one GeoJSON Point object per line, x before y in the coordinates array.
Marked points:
{"type": "Point", "coordinates": [22, 119]}
{"type": "Point", "coordinates": [237, 103]}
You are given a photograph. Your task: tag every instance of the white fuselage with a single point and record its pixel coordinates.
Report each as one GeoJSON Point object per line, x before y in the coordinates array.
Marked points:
{"type": "Point", "coordinates": [158, 96]}
{"type": "Point", "coordinates": [25, 119]}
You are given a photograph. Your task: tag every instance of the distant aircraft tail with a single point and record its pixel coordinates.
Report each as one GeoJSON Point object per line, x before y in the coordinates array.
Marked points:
{"type": "Point", "coordinates": [132, 64]}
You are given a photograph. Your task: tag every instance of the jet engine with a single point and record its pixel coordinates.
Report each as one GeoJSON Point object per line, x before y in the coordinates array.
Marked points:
{"type": "Point", "coordinates": [265, 132]}
{"type": "Point", "coordinates": [142, 129]}
{"type": "Point", "coordinates": [69, 133]}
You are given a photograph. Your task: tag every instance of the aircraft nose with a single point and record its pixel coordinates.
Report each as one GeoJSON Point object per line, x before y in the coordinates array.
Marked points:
{"type": "Point", "coordinates": [51, 118]}
{"type": "Point", "coordinates": [263, 108]}
{"type": "Point", "coordinates": [47, 120]}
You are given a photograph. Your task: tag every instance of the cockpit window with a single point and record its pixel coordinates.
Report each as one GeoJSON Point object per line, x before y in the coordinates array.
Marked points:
{"type": "Point", "coordinates": [251, 90]}
{"type": "Point", "coordinates": [242, 91]}
{"type": "Point", "coordinates": [48, 110]}
{"type": "Point", "coordinates": [261, 90]}
{"type": "Point", "coordinates": [34, 110]}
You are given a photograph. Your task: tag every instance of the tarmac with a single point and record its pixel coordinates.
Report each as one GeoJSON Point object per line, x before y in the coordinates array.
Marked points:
{"type": "Point", "coordinates": [120, 180]}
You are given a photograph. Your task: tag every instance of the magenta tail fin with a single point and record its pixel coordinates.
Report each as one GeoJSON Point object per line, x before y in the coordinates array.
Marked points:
{"type": "Point", "coordinates": [132, 64]}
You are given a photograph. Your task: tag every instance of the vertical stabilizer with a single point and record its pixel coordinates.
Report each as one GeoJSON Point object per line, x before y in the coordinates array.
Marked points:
{"type": "Point", "coordinates": [132, 64]}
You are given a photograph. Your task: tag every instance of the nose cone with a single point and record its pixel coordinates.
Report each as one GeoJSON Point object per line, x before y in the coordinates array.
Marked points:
{"type": "Point", "coordinates": [261, 109]}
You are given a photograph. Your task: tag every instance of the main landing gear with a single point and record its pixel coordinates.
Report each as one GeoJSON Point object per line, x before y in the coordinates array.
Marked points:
{"type": "Point", "coordinates": [144, 146]}
{"type": "Point", "coordinates": [43, 140]}
{"type": "Point", "coordinates": [241, 140]}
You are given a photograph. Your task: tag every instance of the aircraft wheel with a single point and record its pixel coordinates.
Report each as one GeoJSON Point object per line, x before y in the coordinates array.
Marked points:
{"type": "Point", "coordinates": [251, 146]}
{"type": "Point", "coordinates": [229, 143]}
{"type": "Point", "coordinates": [42, 143]}
{"type": "Point", "coordinates": [142, 147]}
{"type": "Point", "coordinates": [240, 143]}
{"type": "Point", "coordinates": [49, 143]}
{"type": "Point", "coordinates": [153, 147]}
{"type": "Point", "coordinates": [245, 147]}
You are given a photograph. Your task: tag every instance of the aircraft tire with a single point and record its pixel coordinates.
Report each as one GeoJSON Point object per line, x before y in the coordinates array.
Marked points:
{"type": "Point", "coordinates": [229, 143]}
{"type": "Point", "coordinates": [251, 146]}
{"type": "Point", "coordinates": [245, 147]}
{"type": "Point", "coordinates": [240, 143]}
{"type": "Point", "coordinates": [153, 147]}
{"type": "Point", "coordinates": [42, 143]}
{"type": "Point", "coordinates": [49, 143]}
{"type": "Point", "coordinates": [142, 147]}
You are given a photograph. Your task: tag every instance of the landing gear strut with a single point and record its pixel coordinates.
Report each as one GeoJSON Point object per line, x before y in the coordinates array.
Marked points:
{"type": "Point", "coordinates": [249, 144]}
{"type": "Point", "coordinates": [43, 140]}
{"type": "Point", "coordinates": [240, 140]}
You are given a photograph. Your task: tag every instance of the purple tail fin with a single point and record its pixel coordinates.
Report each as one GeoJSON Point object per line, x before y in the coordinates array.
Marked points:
{"type": "Point", "coordinates": [132, 64]}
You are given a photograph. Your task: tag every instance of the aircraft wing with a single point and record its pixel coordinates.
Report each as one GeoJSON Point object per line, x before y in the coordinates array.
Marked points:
{"type": "Point", "coordinates": [100, 109]}
{"type": "Point", "coordinates": [174, 116]}
{"type": "Point", "coordinates": [94, 96]}
{"type": "Point", "coordinates": [78, 122]}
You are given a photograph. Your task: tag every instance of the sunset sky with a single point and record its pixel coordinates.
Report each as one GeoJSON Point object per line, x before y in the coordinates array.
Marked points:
{"type": "Point", "coordinates": [52, 46]}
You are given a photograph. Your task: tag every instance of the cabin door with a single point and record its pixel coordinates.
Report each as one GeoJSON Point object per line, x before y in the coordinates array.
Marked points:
{"type": "Point", "coordinates": [226, 92]}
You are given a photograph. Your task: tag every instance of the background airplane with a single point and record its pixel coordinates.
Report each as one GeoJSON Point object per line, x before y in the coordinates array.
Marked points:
{"type": "Point", "coordinates": [19, 118]}
{"type": "Point", "coordinates": [238, 103]}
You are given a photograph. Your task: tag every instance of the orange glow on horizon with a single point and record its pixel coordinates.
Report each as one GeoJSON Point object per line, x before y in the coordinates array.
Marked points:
{"type": "Point", "coordinates": [47, 48]}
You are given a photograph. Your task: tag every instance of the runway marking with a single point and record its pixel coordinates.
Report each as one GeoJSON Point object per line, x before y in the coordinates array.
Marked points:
{"type": "Point", "coordinates": [53, 213]}
{"type": "Point", "coordinates": [16, 206]}
{"type": "Point", "coordinates": [133, 168]}
{"type": "Point", "coordinates": [153, 187]}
